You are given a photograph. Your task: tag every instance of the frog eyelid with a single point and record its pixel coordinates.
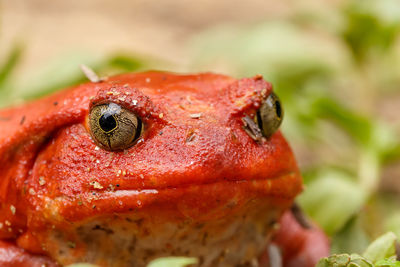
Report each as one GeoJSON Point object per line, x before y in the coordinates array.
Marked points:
{"type": "Point", "coordinates": [132, 99]}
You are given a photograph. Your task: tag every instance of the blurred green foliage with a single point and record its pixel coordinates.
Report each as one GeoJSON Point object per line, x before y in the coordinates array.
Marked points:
{"type": "Point", "coordinates": [330, 68]}
{"type": "Point", "coordinates": [62, 72]}
{"type": "Point", "coordinates": [371, 27]}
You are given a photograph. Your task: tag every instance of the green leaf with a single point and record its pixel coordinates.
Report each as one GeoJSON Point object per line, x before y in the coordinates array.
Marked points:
{"type": "Point", "coordinates": [356, 126]}
{"type": "Point", "coordinates": [344, 260]}
{"type": "Point", "coordinates": [392, 222]}
{"type": "Point", "coordinates": [372, 27]}
{"type": "Point", "coordinates": [125, 62]}
{"type": "Point", "coordinates": [376, 141]}
{"type": "Point", "coordinates": [64, 71]}
{"type": "Point", "coordinates": [332, 199]}
{"type": "Point", "coordinates": [172, 262]}
{"type": "Point", "coordinates": [10, 63]}
{"type": "Point", "coordinates": [387, 263]}
{"type": "Point", "coordinates": [61, 72]}
{"type": "Point", "coordinates": [352, 238]}
{"type": "Point", "coordinates": [278, 49]}
{"type": "Point", "coordinates": [382, 248]}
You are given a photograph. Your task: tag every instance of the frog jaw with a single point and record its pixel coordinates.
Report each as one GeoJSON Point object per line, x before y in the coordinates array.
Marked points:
{"type": "Point", "coordinates": [196, 202]}
{"type": "Point", "coordinates": [227, 231]}
{"type": "Point", "coordinates": [125, 226]}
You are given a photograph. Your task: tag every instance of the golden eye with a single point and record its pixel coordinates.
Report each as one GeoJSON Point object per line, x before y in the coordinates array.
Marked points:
{"type": "Point", "coordinates": [114, 127]}
{"type": "Point", "coordinates": [270, 115]}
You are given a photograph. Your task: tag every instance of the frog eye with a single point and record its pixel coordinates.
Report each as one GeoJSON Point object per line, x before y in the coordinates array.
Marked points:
{"type": "Point", "coordinates": [270, 115]}
{"type": "Point", "coordinates": [114, 127]}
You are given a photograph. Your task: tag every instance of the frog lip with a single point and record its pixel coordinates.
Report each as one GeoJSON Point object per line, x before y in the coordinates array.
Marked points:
{"type": "Point", "coordinates": [283, 188]}
{"type": "Point", "coordinates": [150, 190]}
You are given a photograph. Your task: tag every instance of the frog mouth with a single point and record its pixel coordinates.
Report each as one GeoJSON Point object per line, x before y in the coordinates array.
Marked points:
{"type": "Point", "coordinates": [146, 191]}
{"type": "Point", "coordinates": [201, 197]}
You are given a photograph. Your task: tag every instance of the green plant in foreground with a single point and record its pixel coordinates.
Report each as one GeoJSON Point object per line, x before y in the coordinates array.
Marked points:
{"type": "Point", "coordinates": [380, 253]}
{"type": "Point", "coordinates": [172, 262]}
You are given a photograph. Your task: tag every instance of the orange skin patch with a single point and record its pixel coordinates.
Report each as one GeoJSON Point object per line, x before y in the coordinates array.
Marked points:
{"type": "Point", "coordinates": [193, 154]}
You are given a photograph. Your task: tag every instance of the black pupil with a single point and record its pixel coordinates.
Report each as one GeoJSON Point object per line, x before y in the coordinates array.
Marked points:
{"type": "Point", "coordinates": [259, 120]}
{"type": "Point", "coordinates": [278, 109]}
{"type": "Point", "coordinates": [107, 122]}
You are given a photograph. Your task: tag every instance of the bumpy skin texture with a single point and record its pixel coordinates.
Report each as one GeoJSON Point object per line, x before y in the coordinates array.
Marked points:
{"type": "Point", "coordinates": [53, 176]}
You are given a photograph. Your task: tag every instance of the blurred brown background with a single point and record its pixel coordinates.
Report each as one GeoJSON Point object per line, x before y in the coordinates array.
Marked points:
{"type": "Point", "coordinates": [151, 27]}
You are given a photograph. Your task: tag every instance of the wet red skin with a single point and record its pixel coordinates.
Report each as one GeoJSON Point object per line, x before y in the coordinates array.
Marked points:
{"type": "Point", "coordinates": [49, 161]}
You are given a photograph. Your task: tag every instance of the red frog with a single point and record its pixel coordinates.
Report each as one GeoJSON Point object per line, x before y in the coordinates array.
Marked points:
{"type": "Point", "coordinates": [140, 166]}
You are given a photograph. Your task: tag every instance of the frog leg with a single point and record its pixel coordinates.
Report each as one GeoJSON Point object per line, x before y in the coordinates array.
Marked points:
{"type": "Point", "coordinates": [13, 256]}
{"type": "Point", "coordinates": [300, 244]}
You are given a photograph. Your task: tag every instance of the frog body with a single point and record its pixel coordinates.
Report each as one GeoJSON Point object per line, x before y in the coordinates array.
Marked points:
{"type": "Point", "coordinates": [189, 181]}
